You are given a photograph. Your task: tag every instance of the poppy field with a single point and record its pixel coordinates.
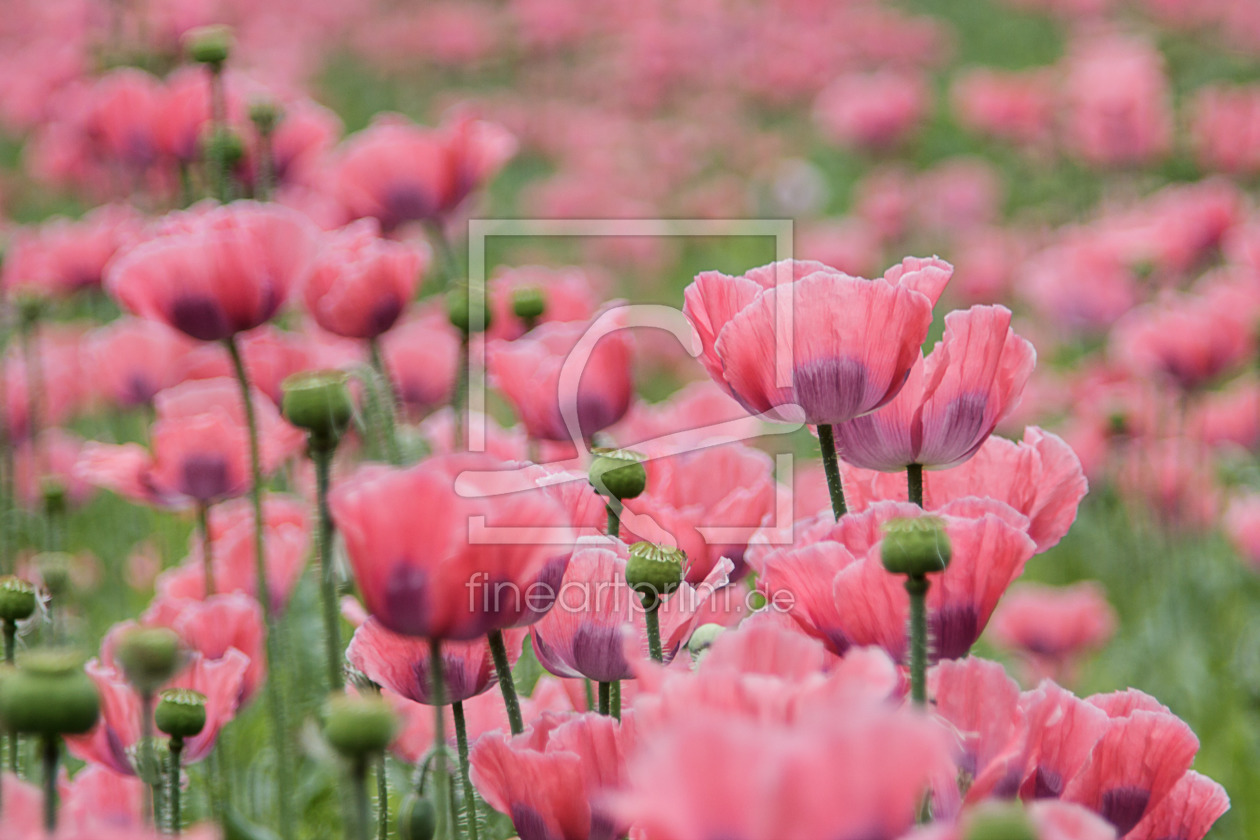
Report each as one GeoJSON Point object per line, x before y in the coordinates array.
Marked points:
{"type": "Point", "coordinates": [607, 420]}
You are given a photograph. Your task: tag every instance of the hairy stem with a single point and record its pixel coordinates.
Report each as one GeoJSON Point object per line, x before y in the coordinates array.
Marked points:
{"type": "Point", "coordinates": [327, 578]}
{"type": "Point", "coordinates": [917, 586]}
{"type": "Point", "coordinates": [498, 649]}
{"type": "Point", "coordinates": [470, 795]}
{"type": "Point", "coordinates": [914, 483]}
{"type": "Point", "coordinates": [831, 466]}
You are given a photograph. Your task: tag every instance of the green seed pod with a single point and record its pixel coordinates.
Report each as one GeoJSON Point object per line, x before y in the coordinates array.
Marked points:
{"type": "Point", "coordinates": [209, 44]}
{"type": "Point", "coordinates": [704, 637]}
{"type": "Point", "coordinates": [264, 114]}
{"type": "Point", "coordinates": [180, 712]}
{"type": "Point", "coordinates": [54, 493]}
{"type": "Point", "coordinates": [999, 821]}
{"type": "Point", "coordinates": [417, 819]}
{"type": "Point", "coordinates": [528, 303]}
{"type": "Point", "coordinates": [654, 571]}
{"type": "Point", "coordinates": [618, 473]}
{"type": "Point", "coordinates": [149, 656]}
{"type": "Point", "coordinates": [17, 599]}
{"type": "Point", "coordinates": [319, 402]}
{"type": "Point", "coordinates": [359, 725]}
{"type": "Point", "coordinates": [49, 695]}
{"type": "Point", "coordinates": [458, 303]}
{"type": "Point", "coordinates": [916, 546]}
{"type": "Point", "coordinates": [54, 570]}
{"type": "Point", "coordinates": [224, 147]}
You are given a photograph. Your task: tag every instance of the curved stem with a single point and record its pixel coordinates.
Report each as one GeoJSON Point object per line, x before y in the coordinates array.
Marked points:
{"type": "Point", "coordinates": [51, 754]}
{"type": "Point", "coordinates": [207, 547]}
{"type": "Point", "coordinates": [438, 692]}
{"type": "Point", "coordinates": [507, 684]}
{"type": "Point", "coordinates": [653, 621]}
{"type": "Point", "coordinates": [914, 483]}
{"type": "Point", "coordinates": [917, 586]}
{"type": "Point", "coordinates": [605, 698]}
{"type": "Point", "coordinates": [831, 466]}
{"type": "Point", "coordinates": [327, 574]}
{"type": "Point", "coordinates": [274, 702]}
{"type": "Point", "coordinates": [470, 795]}
{"type": "Point", "coordinates": [176, 747]}
{"type": "Point", "coordinates": [389, 425]}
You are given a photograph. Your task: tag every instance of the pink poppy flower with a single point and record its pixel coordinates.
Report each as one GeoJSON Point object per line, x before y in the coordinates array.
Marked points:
{"type": "Point", "coordinates": [286, 532]}
{"type": "Point", "coordinates": [130, 360]}
{"type": "Point", "coordinates": [1189, 339]}
{"type": "Point", "coordinates": [213, 272]}
{"type": "Point", "coordinates": [585, 634]}
{"type": "Point", "coordinates": [402, 663]}
{"type": "Point", "coordinates": [872, 110]}
{"type": "Point", "coordinates": [113, 741]}
{"type": "Point", "coordinates": [97, 802]}
{"type": "Point", "coordinates": [422, 355]}
{"type": "Point", "coordinates": [859, 774]}
{"type": "Point", "coordinates": [569, 294]}
{"type": "Point", "coordinates": [200, 448]}
{"type": "Point", "coordinates": [1242, 526]}
{"type": "Point", "coordinates": [52, 459]}
{"type": "Point", "coordinates": [700, 412]}
{"type": "Point", "coordinates": [1174, 476]}
{"type": "Point", "coordinates": [1118, 111]}
{"type": "Point", "coordinates": [981, 703]}
{"type": "Point", "coordinates": [63, 386]}
{"type": "Point", "coordinates": [707, 502]}
{"type": "Point", "coordinates": [395, 171]}
{"type": "Point", "coordinates": [1018, 107]}
{"type": "Point", "coordinates": [271, 355]}
{"type": "Point", "coordinates": [1051, 627]}
{"type": "Point", "coordinates": [419, 575]}
{"type": "Point", "coordinates": [64, 256]}
{"type": "Point", "coordinates": [528, 371]}
{"type": "Point", "coordinates": [546, 778]}
{"type": "Point", "coordinates": [951, 401]}
{"type": "Point", "coordinates": [840, 369]}
{"type": "Point", "coordinates": [186, 112]}
{"type": "Point", "coordinates": [360, 284]}
{"type": "Point", "coordinates": [1188, 812]}
{"type": "Point", "coordinates": [213, 626]}
{"type": "Point", "coordinates": [1225, 128]}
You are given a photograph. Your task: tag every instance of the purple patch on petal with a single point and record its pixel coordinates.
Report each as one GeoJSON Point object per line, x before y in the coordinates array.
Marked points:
{"type": "Point", "coordinates": [954, 630]}
{"type": "Point", "coordinates": [1124, 807]}
{"type": "Point", "coordinates": [540, 596]}
{"type": "Point", "coordinates": [830, 390]}
{"type": "Point", "coordinates": [1047, 784]}
{"type": "Point", "coordinates": [406, 202]}
{"type": "Point", "coordinates": [597, 653]}
{"type": "Point", "coordinates": [530, 825]}
{"type": "Point", "coordinates": [406, 601]}
{"type": "Point", "coordinates": [200, 317]}
{"type": "Point", "coordinates": [960, 426]}
{"type": "Point", "coordinates": [206, 477]}
{"type": "Point", "coordinates": [383, 315]}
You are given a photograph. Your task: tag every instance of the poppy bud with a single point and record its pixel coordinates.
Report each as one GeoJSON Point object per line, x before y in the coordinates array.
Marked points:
{"type": "Point", "coordinates": [417, 820]}
{"type": "Point", "coordinates": [17, 599]}
{"type": "Point", "coordinates": [319, 402]}
{"type": "Point", "coordinates": [49, 695]}
{"type": "Point", "coordinates": [704, 637]}
{"type": "Point", "coordinates": [54, 493]}
{"type": "Point", "coordinates": [224, 147]}
{"type": "Point", "coordinates": [458, 308]}
{"type": "Point", "coordinates": [180, 712]}
{"type": "Point", "coordinates": [149, 656]}
{"type": "Point", "coordinates": [915, 546]}
{"type": "Point", "coordinates": [529, 303]}
{"type": "Point", "coordinates": [654, 571]}
{"type": "Point", "coordinates": [54, 571]}
{"type": "Point", "coordinates": [264, 114]}
{"type": "Point", "coordinates": [359, 726]}
{"type": "Point", "coordinates": [1000, 821]}
{"type": "Point", "coordinates": [618, 473]}
{"type": "Point", "coordinates": [209, 44]}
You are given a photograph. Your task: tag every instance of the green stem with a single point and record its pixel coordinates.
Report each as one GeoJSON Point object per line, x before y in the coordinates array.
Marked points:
{"type": "Point", "coordinates": [470, 795]}
{"type": "Point", "coordinates": [358, 781]}
{"type": "Point", "coordinates": [605, 698]}
{"type": "Point", "coordinates": [207, 547]}
{"type": "Point", "coordinates": [327, 573]}
{"type": "Point", "coordinates": [438, 691]}
{"type": "Point", "coordinates": [266, 167]}
{"type": "Point", "coordinates": [917, 586]}
{"type": "Point", "coordinates": [590, 695]}
{"type": "Point", "coordinates": [10, 640]}
{"type": "Point", "coordinates": [382, 798]}
{"type": "Point", "coordinates": [149, 774]}
{"type": "Point", "coordinates": [275, 704]}
{"type": "Point", "coordinates": [51, 754]}
{"type": "Point", "coordinates": [615, 699]}
{"type": "Point", "coordinates": [389, 426]}
{"type": "Point", "coordinates": [446, 254]}
{"type": "Point", "coordinates": [914, 483]}
{"type": "Point", "coordinates": [653, 621]}
{"type": "Point", "coordinates": [614, 517]}
{"type": "Point", "coordinates": [459, 399]}
{"type": "Point", "coordinates": [176, 747]}
{"type": "Point", "coordinates": [498, 649]}
{"type": "Point", "coordinates": [831, 466]}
